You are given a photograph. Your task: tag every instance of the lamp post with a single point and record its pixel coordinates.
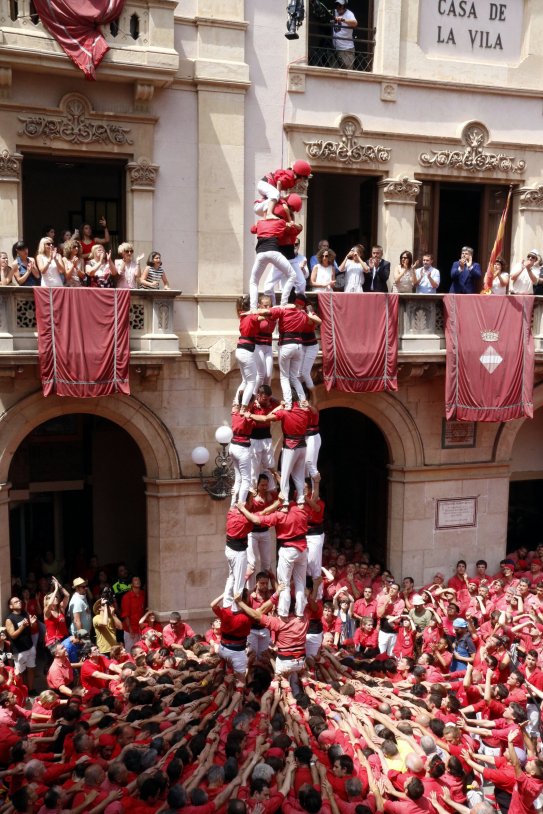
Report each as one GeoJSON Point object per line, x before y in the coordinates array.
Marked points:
{"type": "Point", "coordinates": [219, 484]}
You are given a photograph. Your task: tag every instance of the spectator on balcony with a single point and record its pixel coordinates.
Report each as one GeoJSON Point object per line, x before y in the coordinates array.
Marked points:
{"type": "Point", "coordinates": [300, 265]}
{"type": "Point", "coordinates": [427, 277]}
{"type": "Point", "coordinates": [313, 260]}
{"type": "Point", "coordinates": [65, 236]}
{"type": "Point", "coordinates": [25, 271]}
{"type": "Point", "coordinates": [6, 271]}
{"type": "Point", "coordinates": [379, 271]}
{"type": "Point", "coordinates": [101, 269]}
{"type": "Point", "coordinates": [500, 277]}
{"type": "Point", "coordinates": [465, 273]}
{"type": "Point", "coordinates": [323, 275]}
{"type": "Point", "coordinates": [50, 264]}
{"type": "Point", "coordinates": [88, 241]}
{"type": "Point", "coordinates": [128, 269]}
{"type": "Point", "coordinates": [404, 275]}
{"type": "Point", "coordinates": [354, 268]}
{"type": "Point", "coordinates": [342, 34]}
{"type": "Point", "coordinates": [74, 264]}
{"type": "Point", "coordinates": [525, 275]}
{"type": "Point", "coordinates": [153, 274]}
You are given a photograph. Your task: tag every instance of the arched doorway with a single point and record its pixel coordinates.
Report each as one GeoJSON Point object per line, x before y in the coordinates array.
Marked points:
{"type": "Point", "coordinates": [77, 489]}
{"type": "Point", "coordinates": [526, 486]}
{"type": "Point", "coordinates": [353, 463]}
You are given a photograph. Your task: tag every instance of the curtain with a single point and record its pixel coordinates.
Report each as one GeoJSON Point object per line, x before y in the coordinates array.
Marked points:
{"type": "Point", "coordinates": [75, 26]}
{"type": "Point", "coordinates": [359, 339]}
{"type": "Point", "coordinates": [83, 341]}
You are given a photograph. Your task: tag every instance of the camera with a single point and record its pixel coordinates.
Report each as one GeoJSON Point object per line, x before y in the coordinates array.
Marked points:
{"type": "Point", "coordinates": [108, 595]}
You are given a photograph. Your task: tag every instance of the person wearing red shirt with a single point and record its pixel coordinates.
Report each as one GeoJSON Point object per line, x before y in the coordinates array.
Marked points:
{"type": "Point", "coordinates": [260, 549]}
{"type": "Point", "coordinates": [365, 639]}
{"type": "Point", "coordinates": [264, 349]}
{"type": "Point", "coordinates": [291, 530]}
{"type": "Point", "coordinates": [176, 631]}
{"type": "Point", "coordinates": [262, 457]}
{"type": "Point", "coordinates": [529, 783]}
{"type": "Point", "coordinates": [94, 675]}
{"type": "Point", "coordinates": [132, 607]}
{"type": "Point", "coordinates": [315, 534]}
{"type": "Point", "coordinates": [313, 639]}
{"type": "Point", "coordinates": [405, 640]}
{"type": "Point", "coordinates": [459, 580]}
{"type": "Point", "coordinates": [245, 351]}
{"type": "Point", "coordinates": [240, 452]}
{"type": "Point", "coordinates": [390, 607]}
{"type": "Point", "coordinates": [366, 606]}
{"type": "Point", "coordinates": [259, 637]}
{"type": "Point", "coordinates": [237, 541]}
{"type": "Point", "coordinates": [269, 232]}
{"type": "Point", "coordinates": [235, 628]}
{"type": "Point", "coordinates": [60, 675]}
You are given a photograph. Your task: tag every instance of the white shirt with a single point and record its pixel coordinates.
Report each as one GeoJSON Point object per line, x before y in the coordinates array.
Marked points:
{"type": "Point", "coordinates": [354, 277]}
{"type": "Point", "coordinates": [523, 283]}
{"type": "Point", "coordinates": [51, 277]}
{"type": "Point", "coordinates": [424, 286]}
{"type": "Point", "coordinates": [343, 39]}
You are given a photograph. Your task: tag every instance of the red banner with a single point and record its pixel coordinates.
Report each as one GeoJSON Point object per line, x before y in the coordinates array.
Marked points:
{"type": "Point", "coordinates": [74, 25]}
{"type": "Point", "coordinates": [359, 339]}
{"type": "Point", "coordinates": [490, 357]}
{"type": "Point", "coordinates": [83, 341]}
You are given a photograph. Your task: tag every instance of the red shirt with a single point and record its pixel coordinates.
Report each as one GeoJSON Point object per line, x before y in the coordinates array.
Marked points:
{"type": "Point", "coordinates": [132, 609]}
{"type": "Point", "coordinates": [91, 684]}
{"type": "Point", "coordinates": [242, 427]}
{"type": "Point", "coordinates": [527, 789]}
{"type": "Point", "coordinates": [289, 635]}
{"type": "Point", "coordinates": [293, 425]}
{"type": "Point", "coordinates": [292, 321]}
{"type": "Point", "coordinates": [235, 627]}
{"type": "Point", "coordinates": [290, 527]}
{"type": "Point", "coordinates": [60, 673]}
{"type": "Point", "coordinates": [363, 608]}
{"type": "Point", "coordinates": [172, 636]}
{"type": "Point", "coordinates": [55, 629]}
{"type": "Point", "coordinates": [237, 529]}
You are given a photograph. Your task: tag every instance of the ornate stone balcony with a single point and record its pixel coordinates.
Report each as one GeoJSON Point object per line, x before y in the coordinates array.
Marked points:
{"type": "Point", "coordinates": [141, 42]}
{"type": "Point", "coordinates": [151, 325]}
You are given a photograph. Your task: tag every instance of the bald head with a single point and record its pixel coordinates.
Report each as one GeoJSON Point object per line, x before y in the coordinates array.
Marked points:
{"type": "Point", "coordinates": [414, 763]}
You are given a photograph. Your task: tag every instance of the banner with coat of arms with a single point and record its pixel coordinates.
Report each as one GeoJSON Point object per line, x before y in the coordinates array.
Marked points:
{"type": "Point", "coordinates": [490, 357]}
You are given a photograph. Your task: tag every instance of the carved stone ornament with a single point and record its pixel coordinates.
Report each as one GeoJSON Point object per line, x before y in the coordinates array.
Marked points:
{"type": "Point", "coordinates": [74, 125]}
{"type": "Point", "coordinates": [401, 190]}
{"type": "Point", "coordinates": [10, 166]}
{"type": "Point", "coordinates": [348, 150]}
{"type": "Point", "coordinates": [473, 157]}
{"type": "Point", "coordinates": [296, 82]}
{"type": "Point", "coordinates": [531, 197]}
{"type": "Point", "coordinates": [142, 173]}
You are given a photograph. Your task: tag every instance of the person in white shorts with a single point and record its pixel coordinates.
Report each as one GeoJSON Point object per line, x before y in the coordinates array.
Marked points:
{"type": "Point", "coordinates": [18, 624]}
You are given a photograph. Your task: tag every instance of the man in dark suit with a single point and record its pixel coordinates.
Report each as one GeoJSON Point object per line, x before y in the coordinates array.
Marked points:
{"type": "Point", "coordinates": [376, 278]}
{"type": "Point", "coordinates": [465, 274]}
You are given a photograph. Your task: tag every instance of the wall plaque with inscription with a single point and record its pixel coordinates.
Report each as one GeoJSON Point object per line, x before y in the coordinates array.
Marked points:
{"type": "Point", "coordinates": [456, 513]}
{"type": "Point", "coordinates": [458, 434]}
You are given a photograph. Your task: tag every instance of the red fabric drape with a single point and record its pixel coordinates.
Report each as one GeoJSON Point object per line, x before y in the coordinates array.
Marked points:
{"type": "Point", "coordinates": [83, 341]}
{"type": "Point", "coordinates": [74, 25]}
{"type": "Point", "coordinates": [359, 338]}
{"type": "Point", "coordinates": [490, 357]}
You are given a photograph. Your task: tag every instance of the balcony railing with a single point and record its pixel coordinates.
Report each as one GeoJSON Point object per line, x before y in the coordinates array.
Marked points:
{"type": "Point", "coordinates": [141, 39]}
{"type": "Point", "coordinates": [151, 323]}
{"type": "Point", "coordinates": [321, 51]}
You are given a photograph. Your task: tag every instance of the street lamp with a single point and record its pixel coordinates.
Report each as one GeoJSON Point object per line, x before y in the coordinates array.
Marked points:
{"type": "Point", "coordinates": [219, 484]}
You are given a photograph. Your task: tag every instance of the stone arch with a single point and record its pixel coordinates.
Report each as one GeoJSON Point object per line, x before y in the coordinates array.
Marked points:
{"type": "Point", "coordinates": [390, 415]}
{"type": "Point", "coordinates": [150, 434]}
{"type": "Point", "coordinates": [507, 433]}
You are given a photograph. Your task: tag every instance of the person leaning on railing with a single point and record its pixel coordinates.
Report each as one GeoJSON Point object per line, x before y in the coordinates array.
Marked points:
{"type": "Point", "coordinates": [342, 34]}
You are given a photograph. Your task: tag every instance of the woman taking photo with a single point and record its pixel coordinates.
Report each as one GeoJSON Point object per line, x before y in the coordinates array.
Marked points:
{"type": "Point", "coordinates": [50, 264]}
{"type": "Point", "coordinates": [354, 268]}
{"type": "Point", "coordinates": [101, 268]}
{"type": "Point", "coordinates": [404, 275]}
{"type": "Point", "coordinates": [323, 275]}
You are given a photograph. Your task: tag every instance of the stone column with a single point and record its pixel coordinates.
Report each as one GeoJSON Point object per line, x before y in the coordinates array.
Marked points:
{"type": "Point", "coordinates": [527, 208]}
{"type": "Point", "coordinates": [388, 21]}
{"type": "Point", "coordinates": [397, 201]}
{"type": "Point", "coordinates": [5, 554]}
{"type": "Point", "coordinates": [185, 547]}
{"type": "Point", "coordinates": [10, 199]}
{"type": "Point", "coordinates": [141, 179]}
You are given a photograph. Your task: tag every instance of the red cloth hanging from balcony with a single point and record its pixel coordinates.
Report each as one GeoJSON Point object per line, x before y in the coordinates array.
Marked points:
{"type": "Point", "coordinates": [490, 357]}
{"type": "Point", "coordinates": [74, 25]}
{"type": "Point", "coordinates": [83, 341]}
{"type": "Point", "coordinates": [359, 339]}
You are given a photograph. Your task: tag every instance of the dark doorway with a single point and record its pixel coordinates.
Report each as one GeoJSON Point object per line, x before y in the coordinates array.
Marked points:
{"type": "Point", "coordinates": [353, 464]}
{"type": "Point", "coordinates": [524, 525]}
{"type": "Point", "coordinates": [459, 225]}
{"type": "Point", "coordinates": [64, 192]}
{"type": "Point", "coordinates": [77, 490]}
{"type": "Point", "coordinates": [342, 209]}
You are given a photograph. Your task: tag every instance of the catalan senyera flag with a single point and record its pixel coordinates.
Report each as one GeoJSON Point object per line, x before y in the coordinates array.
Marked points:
{"type": "Point", "coordinates": [498, 246]}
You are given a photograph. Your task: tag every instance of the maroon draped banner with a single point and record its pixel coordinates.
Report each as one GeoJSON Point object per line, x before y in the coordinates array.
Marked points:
{"type": "Point", "coordinates": [74, 25]}
{"type": "Point", "coordinates": [490, 357]}
{"type": "Point", "coordinates": [83, 341]}
{"type": "Point", "coordinates": [359, 339]}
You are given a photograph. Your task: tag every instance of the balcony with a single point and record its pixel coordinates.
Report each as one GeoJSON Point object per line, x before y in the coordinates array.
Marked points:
{"type": "Point", "coordinates": [322, 54]}
{"type": "Point", "coordinates": [151, 325]}
{"type": "Point", "coordinates": [141, 42]}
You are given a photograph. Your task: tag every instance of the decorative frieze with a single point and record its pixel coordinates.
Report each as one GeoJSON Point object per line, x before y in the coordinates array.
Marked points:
{"type": "Point", "coordinates": [400, 190]}
{"type": "Point", "coordinates": [348, 149]}
{"type": "Point", "coordinates": [10, 166]}
{"type": "Point", "coordinates": [142, 173]}
{"type": "Point", "coordinates": [74, 125]}
{"type": "Point", "coordinates": [473, 158]}
{"type": "Point", "coordinates": [531, 197]}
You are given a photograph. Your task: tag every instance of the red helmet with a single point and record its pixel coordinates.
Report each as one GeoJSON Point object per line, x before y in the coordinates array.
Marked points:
{"type": "Point", "coordinates": [302, 168]}
{"type": "Point", "coordinates": [295, 202]}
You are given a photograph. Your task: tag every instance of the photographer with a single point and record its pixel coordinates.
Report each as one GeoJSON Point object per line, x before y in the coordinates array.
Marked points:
{"type": "Point", "coordinates": [105, 621]}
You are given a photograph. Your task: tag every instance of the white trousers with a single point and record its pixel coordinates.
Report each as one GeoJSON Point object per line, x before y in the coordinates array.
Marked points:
{"type": "Point", "coordinates": [315, 543]}
{"type": "Point", "coordinates": [235, 581]}
{"type": "Point", "coordinates": [269, 193]}
{"type": "Point", "coordinates": [276, 275]}
{"type": "Point", "coordinates": [309, 354]}
{"type": "Point", "coordinates": [248, 369]}
{"type": "Point", "coordinates": [262, 460]}
{"type": "Point", "coordinates": [386, 642]}
{"type": "Point", "coordinates": [313, 643]}
{"type": "Point", "coordinates": [241, 458]}
{"type": "Point", "coordinates": [290, 361]}
{"type": "Point", "coordinates": [293, 464]}
{"type": "Point", "coordinates": [288, 666]}
{"type": "Point", "coordinates": [264, 364]}
{"type": "Point", "coordinates": [312, 455]}
{"type": "Point", "coordinates": [259, 641]}
{"type": "Point", "coordinates": [237, 659]}
{"type": "Point", "coordinates": [278, 260]}
{"type": "Point", "coordinates": [292, 564]}
{"type": "Point", "coordinates": [260, 550]}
